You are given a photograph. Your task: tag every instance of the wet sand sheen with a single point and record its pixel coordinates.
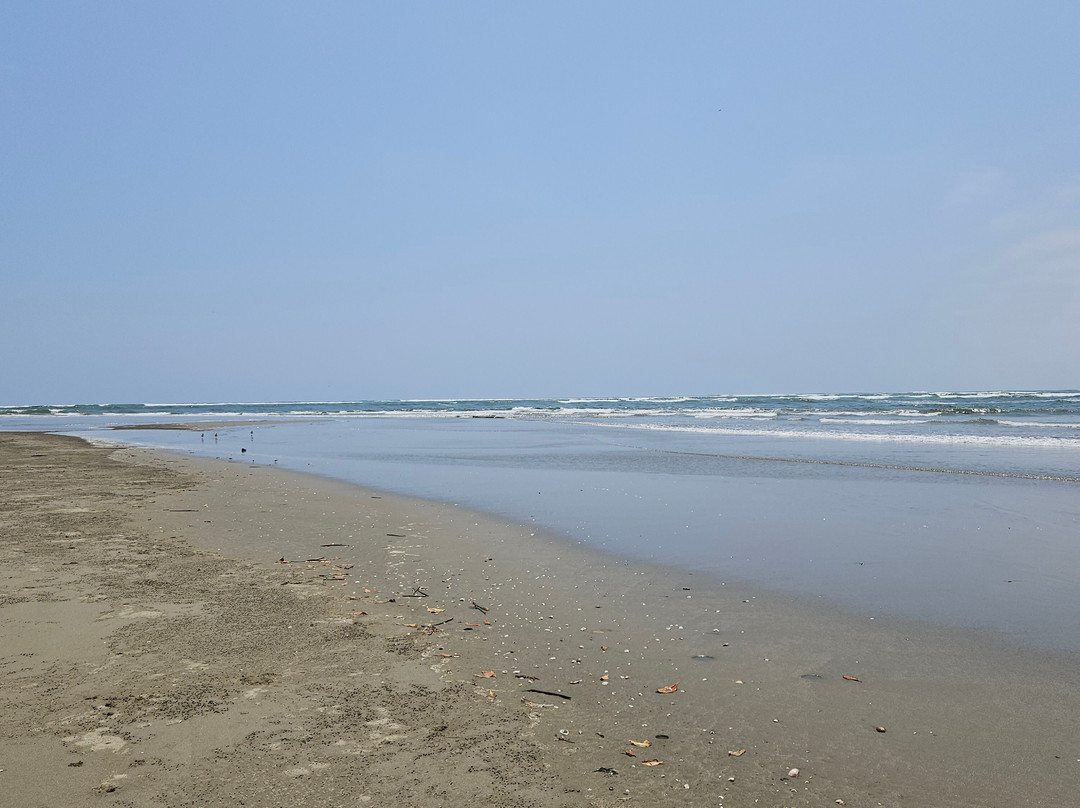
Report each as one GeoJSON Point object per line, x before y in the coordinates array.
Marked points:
{"type": "Point", "coordinates": [224, 675]}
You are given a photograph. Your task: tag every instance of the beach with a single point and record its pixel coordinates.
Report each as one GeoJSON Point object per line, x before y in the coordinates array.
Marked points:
{"type": "Point", "coordinates": [188, 631]}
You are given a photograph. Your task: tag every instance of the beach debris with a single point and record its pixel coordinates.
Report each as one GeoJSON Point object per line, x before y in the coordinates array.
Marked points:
{"type": "Point", "coordinates": [668, 689]}
{"type": "Point", "coordinates": [488, 623]}
{"type": "Point", "coordinates": [526, 676]}
{"type": "Point", "coordinates": [396, 535]}
{"type": "Point", "coordinates": [575, 681]}
{"type": "Point", "coordinates": [335, 544]}
{"type": "Point", "coordinates": [531, 703]}
{"type": "Point", "coordinates": [603, 647]}
{"type": "Point", "coordinates": [485, 675]}
{"type": "Point", "coordinates": [630, 752]}
{"type": "Point", "coordinates": [851, 678]}
{"type": "Point", "coordinates": [651, 762]}
{"type": "Point", "coordinates": [605, 770]}
{"type": "Point", "coordinates": [434, 610]}
{"type": "Point", "coordinates": [549, 693]}
{"type": "Point", "coordinates": [358, 614]}
{"type": "Point", "coordinates": [447, 656]}
{"type": "Point", "coordinates": [737, 752]}
{"type": "Point", "coordinates": [412, 625]}
{"type": "Point", "coordinates": [417, 593]}
{"type": "Point", "coordinates": [476, 605]}
{"type": "Point", "coordinates": [604, 678]}
{"type": "Point", "coordinates": [793, 773]}
{"type": "Point", "coordinates": [661, 737]}
{"type": "Point", "coordinates": [880, 729]}
{"type": "Point", "coordinates": [473, 625]}
{"type": "Point", "coordinates": [646, 742]}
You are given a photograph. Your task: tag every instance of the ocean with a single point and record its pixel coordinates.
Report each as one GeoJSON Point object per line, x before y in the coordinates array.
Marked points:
{"type": "Point", "coordinates": [957, 509]}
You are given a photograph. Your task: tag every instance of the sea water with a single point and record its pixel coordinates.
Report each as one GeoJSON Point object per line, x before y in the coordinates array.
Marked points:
{"type": "Point", "coordinates": [957, 509]}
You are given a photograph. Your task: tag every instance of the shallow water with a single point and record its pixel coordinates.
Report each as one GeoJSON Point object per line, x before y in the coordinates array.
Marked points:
{"type": "Point", "coordinates": [954, 536]}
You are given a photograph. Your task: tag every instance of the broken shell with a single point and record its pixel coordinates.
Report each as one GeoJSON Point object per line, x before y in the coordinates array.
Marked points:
{"type": "Point", "coordinates": [880, 729]}
{"type": "Point", "coordinates": [793, 773]}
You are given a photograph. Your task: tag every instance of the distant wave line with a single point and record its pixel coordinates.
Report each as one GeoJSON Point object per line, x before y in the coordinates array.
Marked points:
{"type": "Point", "coordinates": [869, 437]}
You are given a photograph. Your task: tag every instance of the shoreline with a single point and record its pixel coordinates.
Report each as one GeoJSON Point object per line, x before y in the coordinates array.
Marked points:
{"type": "Point", "coordinates": [965, 725]}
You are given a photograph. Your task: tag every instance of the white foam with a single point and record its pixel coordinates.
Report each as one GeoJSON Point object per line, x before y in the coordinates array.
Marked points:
{"type": "Point", "coordinates": [874, 421]}
{"type": "Point", "coordinates": [940, 439]}
{"type": "Point", "coordinates": [1046, 424]}
{"type": "Point", "coordinates": [732, 412]}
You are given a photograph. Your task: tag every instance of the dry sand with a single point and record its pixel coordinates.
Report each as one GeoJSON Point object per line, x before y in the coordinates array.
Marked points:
{"type": "Point", "coordinates": [153, 652]}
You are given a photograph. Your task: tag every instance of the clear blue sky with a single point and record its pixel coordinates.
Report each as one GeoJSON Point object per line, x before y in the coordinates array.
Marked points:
{"type": "Point", "coordinates": [261, 201]}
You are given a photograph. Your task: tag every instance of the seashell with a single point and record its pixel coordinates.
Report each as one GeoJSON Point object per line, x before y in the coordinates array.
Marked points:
{"type": "Point", "coordinates": [793, 773]}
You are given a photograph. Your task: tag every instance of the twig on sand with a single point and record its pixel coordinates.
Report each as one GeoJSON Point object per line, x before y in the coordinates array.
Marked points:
{"type": "Point", "coordinates": [476, 605]}
{"type": "Point", "coordinates": [431, 628]}
{"type": "Point", "coordinates": [548, 693]}
{"type": "Point", "coordinates": [417, 593]}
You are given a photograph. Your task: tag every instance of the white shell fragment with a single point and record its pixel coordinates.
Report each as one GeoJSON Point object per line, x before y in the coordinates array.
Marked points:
{"type": "Point", "coordinates": [793, 773]}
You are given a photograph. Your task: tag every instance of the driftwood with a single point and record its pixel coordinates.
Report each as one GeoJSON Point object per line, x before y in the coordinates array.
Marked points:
{"type": "Point", "coordinates": [548, 693]}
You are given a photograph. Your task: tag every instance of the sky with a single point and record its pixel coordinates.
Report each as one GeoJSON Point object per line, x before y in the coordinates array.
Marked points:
{"type": "Point", "coordinates": [255, 201]}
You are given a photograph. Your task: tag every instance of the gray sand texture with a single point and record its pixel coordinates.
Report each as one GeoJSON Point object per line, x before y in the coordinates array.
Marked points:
{"type": "Point", "coordinates": [192, 632]}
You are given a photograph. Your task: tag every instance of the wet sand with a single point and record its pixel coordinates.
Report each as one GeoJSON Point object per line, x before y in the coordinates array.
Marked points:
{"type": "Point", "coordinates": [154, 651]}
